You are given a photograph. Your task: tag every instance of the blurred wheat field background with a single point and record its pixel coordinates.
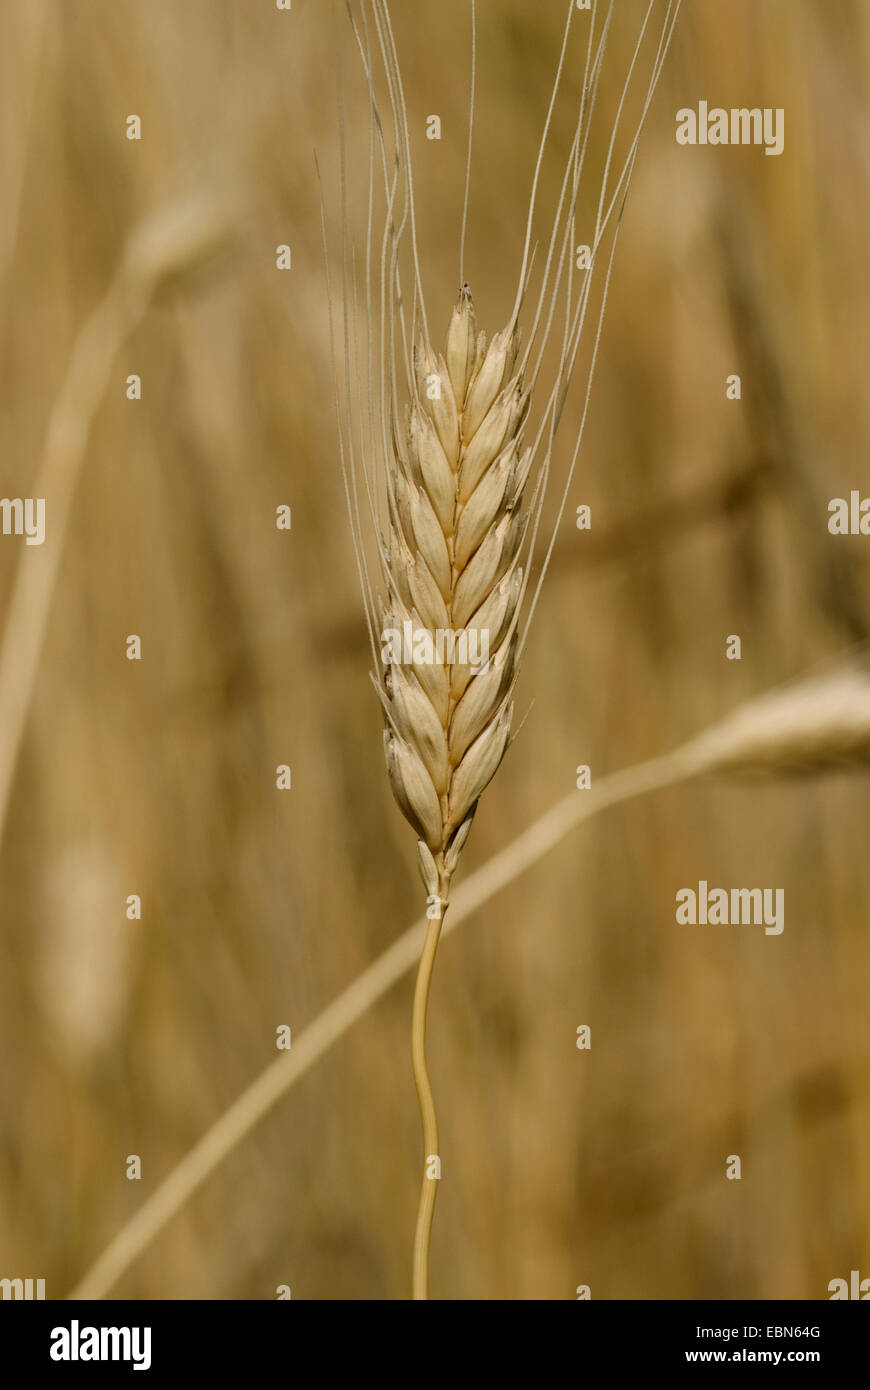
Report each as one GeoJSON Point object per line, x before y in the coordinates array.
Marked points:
{"type": "Point", "coordinates": [157, 777]}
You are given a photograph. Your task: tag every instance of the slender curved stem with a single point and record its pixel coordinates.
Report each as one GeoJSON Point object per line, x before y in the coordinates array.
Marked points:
{"type": "Point", "coordinates": [258, 1099]}
{"type": "Point", "coordinates": [428, 1115]}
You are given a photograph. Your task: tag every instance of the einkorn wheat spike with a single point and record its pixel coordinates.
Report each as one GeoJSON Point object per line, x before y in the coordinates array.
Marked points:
{"type": "Point", "coordinates": [455, 531]}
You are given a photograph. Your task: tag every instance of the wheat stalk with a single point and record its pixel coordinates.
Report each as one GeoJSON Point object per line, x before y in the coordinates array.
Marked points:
{"type": "Point", "coordinates": [444, 483]}
{"type": "Point", "coordinates": [453, 589]}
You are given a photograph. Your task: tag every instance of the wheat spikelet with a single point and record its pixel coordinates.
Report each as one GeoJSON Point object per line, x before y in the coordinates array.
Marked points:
{"type": "Point", "coordinates": [454, 582]}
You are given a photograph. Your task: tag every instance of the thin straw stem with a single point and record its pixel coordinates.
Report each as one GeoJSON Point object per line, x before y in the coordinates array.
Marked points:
{"type": "Point", "coordinates": [245, 1113]}
{"type": "Point", "coordinates": [428, 1115]}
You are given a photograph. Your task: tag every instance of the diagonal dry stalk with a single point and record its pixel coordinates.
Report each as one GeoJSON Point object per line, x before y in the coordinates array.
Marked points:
{"type": "Point", "coordinates": [812, 727]}
{"type": "Point", "coordinates": [434, 457]}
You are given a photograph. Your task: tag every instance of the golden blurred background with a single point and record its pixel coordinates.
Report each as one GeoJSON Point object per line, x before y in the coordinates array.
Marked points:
{"type": "Point", "coordinates": [157, 777]}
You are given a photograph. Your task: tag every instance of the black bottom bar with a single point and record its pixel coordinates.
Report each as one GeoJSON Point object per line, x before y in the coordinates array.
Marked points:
{"type": "Point", "coordinates": [75, 1339]}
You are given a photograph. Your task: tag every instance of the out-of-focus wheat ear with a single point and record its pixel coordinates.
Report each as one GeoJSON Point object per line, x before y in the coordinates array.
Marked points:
{"type": "Point", "coordinates": [816, 724]}
{"type": "Point", "coordinates": [167, 245]}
